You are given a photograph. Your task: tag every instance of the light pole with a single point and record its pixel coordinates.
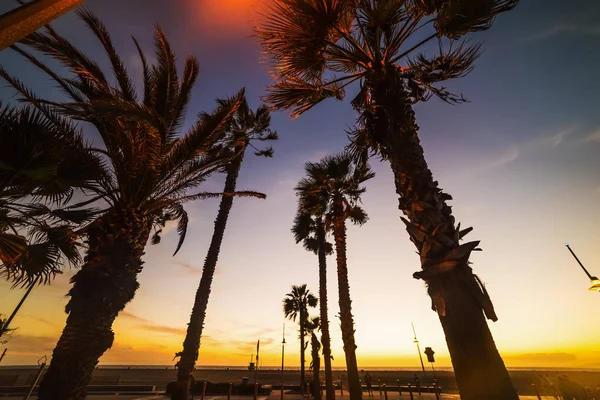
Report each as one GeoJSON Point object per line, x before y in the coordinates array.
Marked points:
{"type": "Point", "coordinates": [28, 18]}
{"type": "Point", "coordinates": [595, 281]}
{"type": "Point", "coordinates": [418, 347]}
{"type": "Point", "coordinates": [282, 358]}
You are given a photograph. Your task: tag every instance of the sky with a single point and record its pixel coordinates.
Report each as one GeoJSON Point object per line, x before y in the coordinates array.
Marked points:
{"type": "Point", "coordinates": [520, 160]}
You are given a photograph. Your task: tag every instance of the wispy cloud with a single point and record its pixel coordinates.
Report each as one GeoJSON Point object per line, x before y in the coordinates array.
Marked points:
{"type": "Point", "coordinates": [593, 137]}
{"type": "Point", "coordinates": [147, 325]}
{"type": "Point", "coordinates": [191, 269]}
{"type": "Point", "coordinates": [559, 29]}
{"type": "Point", "coordinates": [163, 329]}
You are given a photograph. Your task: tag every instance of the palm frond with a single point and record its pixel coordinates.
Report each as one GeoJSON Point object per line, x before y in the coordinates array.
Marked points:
{"type": "Point", "coordinates": [99, 29]}
{"type": "Point", "coordinates": [299, 96]}
{"type": "Point", "coordinates": [456, 18]}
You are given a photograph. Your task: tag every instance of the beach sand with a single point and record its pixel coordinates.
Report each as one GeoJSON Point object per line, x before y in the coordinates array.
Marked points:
{"type": "Point", "coordinates": [522, 379]}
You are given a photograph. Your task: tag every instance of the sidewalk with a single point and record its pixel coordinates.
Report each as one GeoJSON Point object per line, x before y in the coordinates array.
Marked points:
{"type": "Point", "coordinates": [276, 395]}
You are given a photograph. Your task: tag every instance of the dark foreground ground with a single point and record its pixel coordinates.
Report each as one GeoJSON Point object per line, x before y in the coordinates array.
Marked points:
{"type": "Point", "coordinates": [161, 377]}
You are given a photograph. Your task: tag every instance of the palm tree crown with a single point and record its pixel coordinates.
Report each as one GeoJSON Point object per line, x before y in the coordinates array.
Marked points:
{"type": "Point", "coordinates": [296, 303]}
{"type": "Point", "coordinates": [41, 166]}
{"type": "Point", "coordinates": [319, 47]}
{"type": "Point", "coordinates": [149, 166]}
{"type": "Point", "coordinates": [334, 181]}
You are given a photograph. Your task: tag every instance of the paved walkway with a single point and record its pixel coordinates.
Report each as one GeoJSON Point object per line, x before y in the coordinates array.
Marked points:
{"type": "Point", "coordinates": [276, 395]}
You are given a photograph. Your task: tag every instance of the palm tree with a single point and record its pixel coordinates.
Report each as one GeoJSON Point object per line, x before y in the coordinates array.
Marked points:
{"type": "Point", "coordinates": [315, 346]}
{"type": "Point", "coordinates": [310, 230]}
{"type": "Point", "coordinates": [319, 48]}
{"type": "Point", "coordinates": [246, 126]}
{"type": "Point", "coordinates": [41, 166]}
{"type": "Point", "coordinates": [295, 307]}
{"type": "Point", "coordinates": [29, 17]}
{"type": "Point", "coordinates": [151, 170]}
{"type": "Point", "coordinates": [332, 188]}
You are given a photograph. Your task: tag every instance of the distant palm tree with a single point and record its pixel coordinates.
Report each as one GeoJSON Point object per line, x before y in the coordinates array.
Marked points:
{"type": "Point", "coordinates": [244, 127]}
{"type": "Point", "coordinates": [319, 48]}
{"type": "Point", "coordinates": [150, 170]}
{"type": "Point", "coordinates": [310, 230]}
{"type": "Point", "coordinates": [333, 187]}
{"type": "Point", "coordinates": [315, 347]}
{"type": "Point", "coordinates": [295, 307]}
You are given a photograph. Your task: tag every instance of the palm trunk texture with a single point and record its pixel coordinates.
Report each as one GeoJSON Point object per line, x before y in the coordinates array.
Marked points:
{"type": "Point", "coordinates": [457, 294]}
{"type": "Point", "coordinates": [325, 337]}
{"type": "Point", "coordinates": [346, 319]}
{"type": "Point", "coordinates": [102, 287]}
{"type": "Point", "coordinates": [316, 361]}
{"type": "Point", "coordinates": [191, 344]}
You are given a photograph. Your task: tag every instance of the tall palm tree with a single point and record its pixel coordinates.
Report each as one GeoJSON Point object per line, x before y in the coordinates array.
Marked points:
{"type": "Point", "coordinates": [151, 170]}
{"type": "Point", "coordinates": [319, 48]}
{"type": "Point", "coordinates": [315, 346]}
{"type": "Point", "coordinates": [245, 126]}
{"type": "Point", "coordinates": [310, 230]}
{"type": "Point", "coordinates": [332, 188]}
{"type": "Point", "coordinates": [295, 307]}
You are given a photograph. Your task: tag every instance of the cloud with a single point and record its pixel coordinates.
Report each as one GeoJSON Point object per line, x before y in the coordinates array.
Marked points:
{"type": "Point", "coordinates": [133, 317]}
{"type": "Point", "coordinates": [147, 325]}
{"type": "Point", "coordinates": [192, 270]}
{"type": "Point", "coordinates": [38, 319]}
{"type": "Point", "coordinates": [593, 137]}
{"type": "Point", "coordinates": [163, 329]}
{"type": "Point", "coordinates": [563, 28]}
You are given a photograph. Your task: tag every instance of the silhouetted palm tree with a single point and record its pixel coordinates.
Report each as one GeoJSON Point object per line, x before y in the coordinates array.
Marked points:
{"type": "Point", "coordinates": [151, 170]}
{"type": "Point", "coordinates": [295, 307]}
{"type": "Point", "coordinates": [42, 164]}
{"type": "Point", "coordinates": [245, 126]}
{"type": "Point", "coordinates": [332, 188]}
{"type": "Point", "coordinates": [310, 230]}
{"type": "Point", "coordinates": [315, 347]}
{"type": "Point", "coordinates": [320, 47]}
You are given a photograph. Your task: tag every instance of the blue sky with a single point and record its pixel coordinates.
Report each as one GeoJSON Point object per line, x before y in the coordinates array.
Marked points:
{"type": "Point", "coordinates": [520, 159]}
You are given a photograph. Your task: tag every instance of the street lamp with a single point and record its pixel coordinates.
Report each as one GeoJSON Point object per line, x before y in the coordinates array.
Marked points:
{"type": "Point", "coordinates": [594, 280]}
{"type": "Point", "coordinates": [29, 17]}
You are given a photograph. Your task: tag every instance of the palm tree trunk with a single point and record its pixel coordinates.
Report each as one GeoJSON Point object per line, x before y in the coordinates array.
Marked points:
{"type": "Point", "coordinates": [325, 338]}
{"type": "Point", "coordinates": [457, 294]}
{"type": "Point", "coordinates": [346, 319]}
{"type": "Point", "coordinates": [316, 361]}
{"type": "Point", "coordinates": [102, 287]}
{"type": "Point", "coordinates": [191, 344]}
{"type": "Point", "coordinates": [302, 358]}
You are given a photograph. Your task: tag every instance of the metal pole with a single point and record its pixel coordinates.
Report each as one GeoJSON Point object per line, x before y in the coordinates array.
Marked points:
{"type": "Point", "coordinates": [399, 389]}
{"type": "Point", "coordinates": [3, 353]}
{"type": "Point", "coordinates": [418, 347]}
{"type": "Point", "coordinates": [385, 391]}
{"type": "Point", "coordinates": [203, 390]}
{"type": "Point", "coordinates": [28, 18]}
{"type": "Point", "coordinates": [9, 320]}
{"type": "Point", "coordinates": [37, 377]}
{"type": "Point", "coordinates": [229, 391]}
{"type": "Point", "coordinates": [282, 359]}
{"type": "Point", "coordinates": [433, 369]}
{"type": "Point", "coordinates": [580, 264]}
{"type": "Point", "coordinates": [410, 391]}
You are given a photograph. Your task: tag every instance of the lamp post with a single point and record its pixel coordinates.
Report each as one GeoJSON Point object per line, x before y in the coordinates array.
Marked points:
{"type": "Point", "coordinates": [29, 17]}
{"type": "Point", "coordinates": [282, 358]}
{"type": "Point", "coordinates": [594, 280]}
{"type": "Point", "coordinates": [418, 347]}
